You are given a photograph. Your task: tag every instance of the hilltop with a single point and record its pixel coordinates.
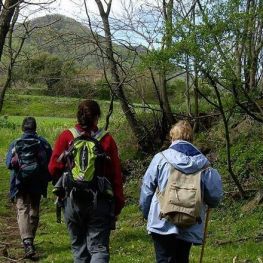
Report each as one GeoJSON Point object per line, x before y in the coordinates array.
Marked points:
{"type": "Point", "coordinates": [61, 36]}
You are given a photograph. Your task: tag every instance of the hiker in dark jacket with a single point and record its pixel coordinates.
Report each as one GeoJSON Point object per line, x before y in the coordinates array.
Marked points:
{"type": "Point", "coordinates": [173, 243]}
{"type": "Point", "coordinates": [26, 191]}
{"type": "Point", "coordinates": [89, 222]}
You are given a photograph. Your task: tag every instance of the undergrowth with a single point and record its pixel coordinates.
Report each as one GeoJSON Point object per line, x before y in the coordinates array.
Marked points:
{"type": "Point", "coordinates": [232, 230]}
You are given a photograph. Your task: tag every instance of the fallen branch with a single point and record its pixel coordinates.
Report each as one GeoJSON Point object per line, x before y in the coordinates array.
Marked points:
{"type": "Point", "coordinates": [10, 259]}
{"type": "Point", "coordinates": [236, 192]}
{"type": "Point", "coordinates": [4, 244]}
{"type": "Point", "coordinates": [224, 242]}
{"type": "Point", "coordinates": [258, 238]}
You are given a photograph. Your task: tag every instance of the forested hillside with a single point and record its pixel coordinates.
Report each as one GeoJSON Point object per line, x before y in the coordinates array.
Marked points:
{"type": "Point", "coordinates": [61, 36]}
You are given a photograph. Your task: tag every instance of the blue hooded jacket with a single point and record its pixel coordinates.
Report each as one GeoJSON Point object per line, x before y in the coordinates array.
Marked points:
{"type": "Point", "coordinates": [188, 159]}
{"type": "Point", "coordinates": [38, 186]}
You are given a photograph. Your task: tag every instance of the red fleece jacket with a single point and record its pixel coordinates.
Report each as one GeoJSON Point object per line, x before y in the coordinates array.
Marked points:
{"type": "Point", "coordinates": [109, 146]}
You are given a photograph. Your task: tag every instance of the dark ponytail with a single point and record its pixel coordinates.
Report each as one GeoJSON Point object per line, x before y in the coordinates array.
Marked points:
{"type": "Point", "coordinates": [88, 112]}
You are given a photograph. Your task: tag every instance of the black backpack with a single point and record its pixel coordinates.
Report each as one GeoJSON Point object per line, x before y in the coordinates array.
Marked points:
{"type": "Point", "coordinates": [32, 158]}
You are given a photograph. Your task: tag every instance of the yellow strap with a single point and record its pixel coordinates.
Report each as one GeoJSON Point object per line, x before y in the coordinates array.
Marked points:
{"type": "Point", "coordinates": [74, 132]}
{"type": "Point", "coordinates": [98, 136]}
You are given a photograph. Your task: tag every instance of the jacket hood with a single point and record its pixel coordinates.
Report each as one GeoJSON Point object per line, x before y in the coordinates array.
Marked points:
{"type": "Point", "coordinates": [28, 134]}
{"type": "Point", "coordinates": [185, 157]}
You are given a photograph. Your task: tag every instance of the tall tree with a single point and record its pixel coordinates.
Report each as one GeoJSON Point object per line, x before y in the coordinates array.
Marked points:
{"type": "Point", "coordinates": [225, 44]}
{"type": "Point", "coordinates": [167, 10]}
{"type": "Point", "coordinates": [117, 81]}
{"type": "Point", "coordinates": [12, 56]}
{"type": "Point", "coordinates": [151, 23]}
{"type": "Point", "coordinates": [9, 13]}
{"type": "Point", "coordinates": [230, 47]}
{"type": "Point", "coordinates": [7, 10]}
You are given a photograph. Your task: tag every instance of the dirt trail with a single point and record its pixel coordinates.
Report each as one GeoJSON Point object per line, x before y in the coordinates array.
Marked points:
{"type": "Point", "coordinates": [11, 249]}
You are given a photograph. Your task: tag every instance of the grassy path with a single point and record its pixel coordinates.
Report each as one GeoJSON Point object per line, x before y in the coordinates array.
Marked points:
{"type": "Point", "coordinates": [10, 244]}
{"type": "Point", "coordinates": [129, 242]}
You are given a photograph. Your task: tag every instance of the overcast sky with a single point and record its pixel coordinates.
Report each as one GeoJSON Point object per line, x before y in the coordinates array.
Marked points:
{"type": "Point", "coordinates": [76, 7]}
{"type": "Point", "coordinates": [71, 8]}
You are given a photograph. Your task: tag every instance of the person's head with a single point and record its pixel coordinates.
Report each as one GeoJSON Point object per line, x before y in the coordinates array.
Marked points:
{"type": "Point", "coordinates": [88, 113]}
{"type": "Point", "coordinates": [29, 124]}
{"type": "Point", "coordinates": [182, 130]}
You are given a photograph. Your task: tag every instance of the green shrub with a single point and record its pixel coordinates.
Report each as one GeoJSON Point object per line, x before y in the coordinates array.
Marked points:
{"type": "Point", "coordinates": [5, 123]}
{"type": "Point", "coordinates": [102, 90]}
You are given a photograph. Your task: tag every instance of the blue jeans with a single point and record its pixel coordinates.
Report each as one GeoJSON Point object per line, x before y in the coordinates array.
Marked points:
{"type": "Point", "coordinates": [169, 249]}
{"type": "Point", "coordinates": [89, 229]}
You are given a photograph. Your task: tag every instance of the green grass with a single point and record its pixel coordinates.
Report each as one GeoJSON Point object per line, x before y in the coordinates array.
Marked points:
{"type": "Point", "coordinates": [130, 241]}
{"type": "Point", "coordinates": [53, 114]}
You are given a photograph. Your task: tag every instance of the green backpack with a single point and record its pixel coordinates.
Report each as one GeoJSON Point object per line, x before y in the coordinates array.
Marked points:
{"type": "Point", "coordinates": [87, 164]}
{"type": "Point", "coordinates": [86, 156]}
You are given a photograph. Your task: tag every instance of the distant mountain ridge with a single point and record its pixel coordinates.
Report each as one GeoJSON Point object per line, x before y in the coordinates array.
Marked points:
{"type": "Point", "coordinates": [62, 36]}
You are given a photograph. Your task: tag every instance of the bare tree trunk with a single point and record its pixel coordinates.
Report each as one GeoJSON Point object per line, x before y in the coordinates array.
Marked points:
{"type": "Point", "coordinates": [6, 15]}
{"type": "Point", "coordinates": [196, 99]}
{"type": "Point", "coordinates": [5, 87]}
{"type": "Point", "coordinates": [227, 137]}
{"type": "Point", "coordinates": [187, 86]}
{"type": "Point", "coordinates": [110, 111]}
{"type": "Point", "coordinates": [196, 86]}
{"type": "Point", "coordinates": [13, 56]}
{"type": "Point", "coordinates": [9, 12]}
{"type": "Point", "coordinates": [164, 97]}
{"type": "Point", "coordinates": [238, 91]}
{"type": "Point", "coordinates": [143, 140]}
{"type": "Point", "coordinates": [164, 122]}
{"type": "Point", "coordinates": [167, 42]}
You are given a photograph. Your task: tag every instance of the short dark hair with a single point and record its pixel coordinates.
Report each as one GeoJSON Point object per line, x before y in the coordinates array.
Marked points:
{"type": "Point", "coordinates": [29, 124]}
{"type": "Point", "coordinates": [88, 112]}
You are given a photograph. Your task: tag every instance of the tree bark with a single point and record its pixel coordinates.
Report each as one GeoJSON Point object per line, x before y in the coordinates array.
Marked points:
{"type": "Point", "coordinates": [187, 86]}
{"type": "Point", "coordinates": [143, 140]}
{"type": "Point", "coordinates": [167, 42]}
{"type": "Point", "coordinates": [196, 99]}
{"type": "Point", "coordinates": [227, 137]}
{"type": "Point", "coordinates": [6, 15]}
{"type": "Point", "coordinates": [13, 56]}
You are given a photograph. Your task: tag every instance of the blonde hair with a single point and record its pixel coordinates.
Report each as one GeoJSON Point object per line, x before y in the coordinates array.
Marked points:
{"type": "Point", "coordinates": [182, 130]}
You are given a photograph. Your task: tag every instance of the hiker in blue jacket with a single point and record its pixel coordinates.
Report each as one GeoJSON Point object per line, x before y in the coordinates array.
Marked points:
{"type": "Point", "coordinates": [172, 243]}
{"type": "Point", "coordinates": [27, 193]}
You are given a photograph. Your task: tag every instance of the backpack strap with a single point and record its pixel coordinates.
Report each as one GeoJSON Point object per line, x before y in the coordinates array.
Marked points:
{"type": "Point", "coordinates": [98, 135]}
{"type": "Point", "coordinates": [75, 132]}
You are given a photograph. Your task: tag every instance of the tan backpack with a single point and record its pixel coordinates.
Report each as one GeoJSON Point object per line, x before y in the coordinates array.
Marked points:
{"type": "Point", "coordinates": [181, 201]}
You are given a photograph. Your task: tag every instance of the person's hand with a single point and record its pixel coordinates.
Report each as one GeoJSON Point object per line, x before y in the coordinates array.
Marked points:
{"type": "Point", "coordinates": [14, 162]}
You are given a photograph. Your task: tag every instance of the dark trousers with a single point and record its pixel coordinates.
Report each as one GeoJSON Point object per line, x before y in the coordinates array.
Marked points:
{"type": "Point", "coordinates": [169, 249]}
{"type": "Point", "coordinates": [89, 230]}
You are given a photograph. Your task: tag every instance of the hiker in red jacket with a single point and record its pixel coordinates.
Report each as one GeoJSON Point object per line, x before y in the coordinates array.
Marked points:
{"type": "Point", "coordinates": [89, 221]}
